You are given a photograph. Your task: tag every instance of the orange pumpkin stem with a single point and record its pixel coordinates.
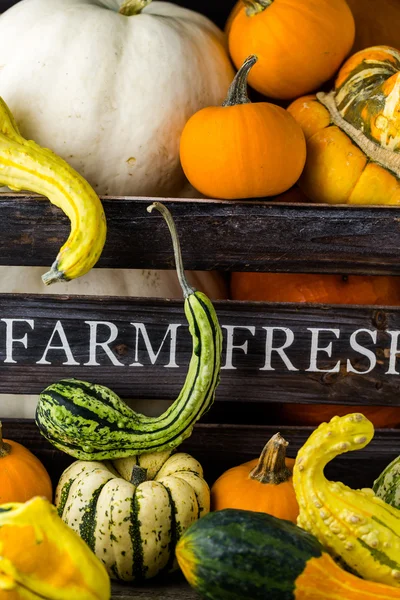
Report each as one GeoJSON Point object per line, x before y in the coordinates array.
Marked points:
{"type": "Point", "coordinates": [237, 93]}
{"type": "Point", "coordinates": [271, 466]}
{"type": "Point", "coordinates": [253, 7]}
{"type": "Point", "coordinates": [5, 449]}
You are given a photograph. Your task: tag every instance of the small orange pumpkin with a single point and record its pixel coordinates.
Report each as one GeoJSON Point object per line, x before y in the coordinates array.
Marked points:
{"type": "Point", "coordinates": [22, 475]}
{"type": "Point", "coordinates": [242, 149]}
{"type": "Point", "coordinates": [300, 44]}
{"type": "Point", "coordinates": [262, 485]}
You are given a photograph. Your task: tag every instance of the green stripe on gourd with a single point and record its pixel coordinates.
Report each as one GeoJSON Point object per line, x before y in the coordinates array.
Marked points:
{"type": "Point", "coordinates": [387, 486]}
{"type": "Point", "coordinates": [90, 422]}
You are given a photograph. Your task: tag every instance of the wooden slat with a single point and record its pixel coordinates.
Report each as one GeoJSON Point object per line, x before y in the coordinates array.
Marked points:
{"type": "Point", "coordinates": [243, 376]}
{"type": "Point", "coordinates": [227, 236]}
{"type": "Point", "coordinates": [167, 590]}
{"type": "Point", "coordinates": [219, 447]}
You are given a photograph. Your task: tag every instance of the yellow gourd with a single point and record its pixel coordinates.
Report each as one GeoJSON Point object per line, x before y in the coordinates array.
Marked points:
{"type": "Point", "coordinates": [354, 525]}
{"type": "Point", "coordinates": [24, 165]}
{"type": "Point", "coordinates": [41, 558]}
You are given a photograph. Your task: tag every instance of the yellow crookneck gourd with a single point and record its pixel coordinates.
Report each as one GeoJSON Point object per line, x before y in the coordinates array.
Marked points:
{"type": "Point", "coordinates": [41, 558]}
{"type": "Point", "coordinates": [354, 525]}
{"type": "Point", "coordinates": [24, 165]}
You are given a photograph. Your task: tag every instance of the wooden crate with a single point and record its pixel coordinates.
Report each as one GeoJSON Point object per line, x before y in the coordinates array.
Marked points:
{"type": "Point", "coordinates": [228, 236]}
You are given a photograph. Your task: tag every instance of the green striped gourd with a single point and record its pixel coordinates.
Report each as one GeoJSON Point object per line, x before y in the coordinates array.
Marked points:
{"type": "Point", "coordinates": [132, 511]}
{"type": "Point", "coordinates": [387, 486]}
{"type": "Point", "coordinates": [354, 525]}
{"type": "Point", "coordinates": [236, 554]}
{"type": "Point", "coordinates": [90, 422]}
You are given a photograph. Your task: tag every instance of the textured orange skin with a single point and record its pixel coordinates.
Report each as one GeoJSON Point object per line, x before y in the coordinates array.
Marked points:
{"type": "Point", "coordinates": [242, 151]}
{"type": "Point", "coordinates": [235, 489]}
{"type": "Point", "coordinates": [22, 476]}
{"type": "Point", "coordinates": [330, 152]}
{"type": "Point", "coordinates": [330, 289]}
{"type": "Point", "coordinates": [300, 44]}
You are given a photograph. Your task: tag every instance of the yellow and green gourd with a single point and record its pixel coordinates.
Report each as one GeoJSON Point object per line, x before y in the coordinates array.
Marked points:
{"type": "Point", "coordinates": [90, 422]}
{"type": "Point", "coordinates": [354, 525]}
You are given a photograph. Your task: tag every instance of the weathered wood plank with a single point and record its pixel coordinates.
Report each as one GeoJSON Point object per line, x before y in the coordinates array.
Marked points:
{"type": "Point", "coordinates": [141, 349]}
{"type": "Point", "coordinates": [167, 590]}
{"type": "Point", "coordinates": [219, 447]}
{"type": "Point", "coordinates": [222, 235]}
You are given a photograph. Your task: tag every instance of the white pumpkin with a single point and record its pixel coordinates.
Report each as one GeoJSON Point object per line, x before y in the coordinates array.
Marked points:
{"type": "Point", "coordinates": [132, 511]}
{"type": "Point", "coordinates": [111, 93]}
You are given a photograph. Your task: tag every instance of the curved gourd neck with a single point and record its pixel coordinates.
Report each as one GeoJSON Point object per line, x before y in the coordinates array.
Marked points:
{"type": "Point", "coordinates": [271, 466]}
{"type": "Point", "coordinates": [254, 7]}
{"type": "Point", "coordinates": [133, 7]}
{"type": "Point", "coordinates": [28, 166]}
{"type": "Point", "coordinates": [5, 449]}
{"type": "Point", "coordinates": [237, 93]}
{"type": "Point", "coordinates": [186, 288]}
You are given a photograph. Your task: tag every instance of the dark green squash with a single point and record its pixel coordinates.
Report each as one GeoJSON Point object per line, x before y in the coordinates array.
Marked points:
{"type": "Point", "coordinates": [236, 554]}
{"type": "Point", "coordinates": [91, 422]}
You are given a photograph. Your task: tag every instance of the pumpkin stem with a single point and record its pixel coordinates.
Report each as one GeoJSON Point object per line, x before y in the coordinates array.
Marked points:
{"type": "Point", "coordinates": [139, 475]}
{"type": "Point", "coordinates": [186, 288]}
{"type": "Point", "coordinates": [133, 7]}
{"type": "Point", "coordinates": [254, 7]}
{"type": "Point", "coordinates": [237, 93]}
{"type": "Point", "coordinates": [271, 466]}
{"type": "Point", "coordinates": [5, 449]}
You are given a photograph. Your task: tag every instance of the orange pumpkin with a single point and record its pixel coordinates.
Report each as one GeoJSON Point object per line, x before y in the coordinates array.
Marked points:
{"type": "Point", "coordinates": [329, 289]}
{"type": "Point", "coordinates": [242, 149]}
{"type": "Point", "coordinates": [310, 287]}
{"type": "Point", "coordinates": [262, 485]}
{"type": "Point", "coordinates": [353, 133]}
{"type": "Point", "coordinates": [22, 475]}
{"type": "Point", "coordinates": [300, 44]}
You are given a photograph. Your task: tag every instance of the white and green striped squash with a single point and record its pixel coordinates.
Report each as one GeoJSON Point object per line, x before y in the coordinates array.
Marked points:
{"type": "Point", "coordinates": [132, 511]}
{"type": "Point", "coordinates": [387, 485]}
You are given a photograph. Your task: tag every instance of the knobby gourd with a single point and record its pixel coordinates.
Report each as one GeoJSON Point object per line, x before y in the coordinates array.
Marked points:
{"type": "Point", "coordinates": [41, 558]}
{"type": "Point", "coordinates": [354, 525]}
{"type": "Point", "coordinates": [264, 484]}
{"type": "Point", "coordinates": [132, 511]}
{"type": "Point", "coordinates": [300, 45]}
{"type": "Point", "coordinates": [237, 555]}
{"type": "Point", "coordinates": [353, 132]}
{"type": "Point", "coordinates": [89, 421]}
{"type": "Point", "coordinates": [386, 486]}
{"type": "Point", "coordinates": [27, 166]}
{"type": "Point", "coordinates": [106, 100]}
{"type": "Point", "coordinates": [242, 149]}
{"type": "Point", "coordinates": [22, 475]}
